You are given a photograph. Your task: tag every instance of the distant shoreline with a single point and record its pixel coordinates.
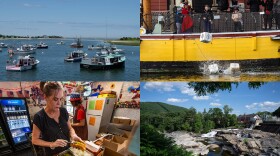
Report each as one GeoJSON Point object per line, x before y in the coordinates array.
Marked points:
{"type": "Point", "coordinates": [125, 42]}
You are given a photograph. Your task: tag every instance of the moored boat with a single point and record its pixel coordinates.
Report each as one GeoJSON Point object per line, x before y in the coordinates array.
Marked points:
{"type": "Point", "coordinates": [97, 47]}
{"type": "Point", "coordinates": [3, 45]}
{"type": "Point", "coordinates": [77, 44]}
{"type": "Point", "coordinates": [42, 45]}
{"type": "Point", "coordinates": [60, 43]}
{"type": "Point", "coordinates": [24, 49]}
{"type": "Point", "coordinates": [100, 62]}
{"type": "Point", "coordinates": [22, 63]}
{"type": "Point", "coordinates": [75, 56]}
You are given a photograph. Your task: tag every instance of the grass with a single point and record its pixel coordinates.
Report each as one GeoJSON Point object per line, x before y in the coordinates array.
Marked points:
{"type": "Point", "coordinates": [125, 42]}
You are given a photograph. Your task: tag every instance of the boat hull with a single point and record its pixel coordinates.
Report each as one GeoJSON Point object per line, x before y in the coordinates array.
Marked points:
{"type": "Point", "coordinates": [102, 67]}
{"type": "Point", "coordinates": [73, 60]}
{"type": "Point", "coordinates": [46, 47]}
{"type": "Point", "coordinates": [21, 68]}
{"type": "Point", "coordinates": [258, 65]}
{"type": "Point", "coordinates": [166, 53]}
{"type": "Point", "coordinates": [75, 46]}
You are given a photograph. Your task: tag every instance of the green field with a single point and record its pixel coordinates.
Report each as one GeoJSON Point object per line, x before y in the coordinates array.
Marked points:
{"type": "Point", "coordinates": [159, 107]}
{"type": "Point", "coordinates": [125, 42]}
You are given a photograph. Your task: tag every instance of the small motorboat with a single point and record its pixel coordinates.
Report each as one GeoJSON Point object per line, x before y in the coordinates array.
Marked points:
{"type": "Point", "coordinates": [25, 49]}
{"type": "Point", "coordinates": [3, 45]}
{"type": "Point", "coordinates": [107, 61]}
{"type": "Point", "coordinates": [22, 63]}
{"type": "Point", "coordinates": [75, 56]}
{"type": "Point", "coordinates": [0, 49]}
{"type": "Point", "coordinates": [77, 44]}
{"type": "Point", "coordinates": [42, 45]}
{"type": "Point", "coordinates": [60, 43]}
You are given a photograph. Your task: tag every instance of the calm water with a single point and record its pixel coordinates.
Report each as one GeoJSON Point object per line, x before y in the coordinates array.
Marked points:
{"type": "Point", "coordinates": [53, 67]}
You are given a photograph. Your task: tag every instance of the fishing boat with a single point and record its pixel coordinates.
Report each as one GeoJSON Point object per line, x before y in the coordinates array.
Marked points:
{"type": "Point", "coordinates": [101, 62]}
{"type": "Point", "coordinates": [60, 43]}
{"type": "Point", "coordinates": [3, 45]}
{"type": "Point", "coordinates": [22, 63]}
{"type": "Point", "coordinates": [162, 50]}
{"type": "Point", "coordinates": [97, 47]}
{"type": "Point", "coordinates": [42, 45]}
{"type": "Point", "coordinates": [75, 56]}
{"type": "Point", "coordinates": [115, 49]}
{"type": "Point", "coordinates": [24, 49]}
{"type": "Point", "coordinates": [77, 44]}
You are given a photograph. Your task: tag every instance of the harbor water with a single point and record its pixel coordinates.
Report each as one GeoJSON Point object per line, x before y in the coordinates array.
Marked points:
{"type": "Point", "coordinates": [53, 67]}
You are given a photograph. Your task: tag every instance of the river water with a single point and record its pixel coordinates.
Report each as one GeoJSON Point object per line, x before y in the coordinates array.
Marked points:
{"type": "Point", "coordinates": [53, 67]}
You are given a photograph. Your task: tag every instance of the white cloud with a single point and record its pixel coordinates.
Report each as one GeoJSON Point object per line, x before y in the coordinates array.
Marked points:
{"type": "Point", "coordinates": [252, 106]}
{"type": "Point", "coordinates": [215, 104]}
{"type": "Point", "coordinates": [217, 100]}
{"type": "Point", "coordinates": [197, 98]}
{"type": "Point", "coordinates": [159, 86]}
{"type": "Point", "coordinates": [266, 105]}
{"type": "Point", "coordinates": [273, 91]}
{"type": "Point", "coordinates": [176, 100]}
{"type": "Point", "coordinates": [187, 90]}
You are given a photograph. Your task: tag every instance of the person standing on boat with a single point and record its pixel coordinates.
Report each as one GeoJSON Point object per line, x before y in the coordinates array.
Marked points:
{"type": "Point", "coordinates": [79, 119]}
{"type": "Point", "coordinates": [268, 6]}
{"type": "Point", "coordinates": [207, 17]}
{"type": "Point", "coordinates": [254, 5]}
{"type": "Point", "coordinates": [276, 13]}
{"type": "Point", "coordinates": [179, 20]}
{"type": "Point", "coordinates": [237, 19]}
{"type": "Point", "coordinates": [187, 20]}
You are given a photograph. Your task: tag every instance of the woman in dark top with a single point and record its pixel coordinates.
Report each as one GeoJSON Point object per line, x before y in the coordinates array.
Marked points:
{"type": "Point", "coordinates": [51, 125]}
{"type": "Point", "coordinates": [79, 119]}
{"type": "Point", "coordinates": [268, 6]}
{"type": "Point", "coordinates": [207, 18]}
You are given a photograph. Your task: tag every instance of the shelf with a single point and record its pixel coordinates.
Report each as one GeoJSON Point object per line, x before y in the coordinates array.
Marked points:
{"type": "Point", "coordinates": [16, 119]}
{"type": "Point", "coordinates": [15, 111]}
{"type": "Point", "coordinates": [20, 128]}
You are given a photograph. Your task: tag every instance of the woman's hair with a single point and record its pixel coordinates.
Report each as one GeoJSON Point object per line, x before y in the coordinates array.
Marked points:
{"type": "Point", "coordinates": [48, 88]}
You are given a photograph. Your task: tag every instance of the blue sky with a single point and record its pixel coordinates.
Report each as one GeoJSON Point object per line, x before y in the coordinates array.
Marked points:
{"type": "Point", "coordinates": [241, 99]}
{"type": "Point", "coordinates": [70, 18]}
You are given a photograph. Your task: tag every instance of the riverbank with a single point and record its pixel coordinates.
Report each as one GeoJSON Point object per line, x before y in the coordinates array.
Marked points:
{"type": "Point", "coordinates": [125, 42]}
{"type": "Point", "coordinates": [229, 141]}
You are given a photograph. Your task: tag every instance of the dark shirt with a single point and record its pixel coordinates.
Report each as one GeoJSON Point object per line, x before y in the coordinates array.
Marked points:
{"type": "Point", "coordinates": [179, 18]}
{"type": "Point", "coordinates": [51, 130]}
{"type": "Point", "coordinates": [268, 5]}
{"type": "Point", "coordinates": [208, 15]}
{"type": "Point", "coordinates": [254, 5]}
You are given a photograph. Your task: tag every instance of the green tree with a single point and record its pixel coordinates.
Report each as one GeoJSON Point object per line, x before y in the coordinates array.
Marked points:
{"type": "Point", "coordinates": [276, 112]}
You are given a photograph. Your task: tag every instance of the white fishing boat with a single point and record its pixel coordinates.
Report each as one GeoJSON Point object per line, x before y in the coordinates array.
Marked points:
{"type": "Point", "coordinates": [3, 45]}
{"type": "Point", "coordinates": [25, 49]}
{"type": "Point", "coordinates": [97, 47]}
{"type": "Point", "coordinates": [104, 61]}
{"type": "Point", "coordinates": [42, 45]}
{"type": "Point", "coordinates": [60, 43]}
{"type": "Point", "coordinates": [75, 56]}
{"type": "Point", "coordinates": [22, 63]}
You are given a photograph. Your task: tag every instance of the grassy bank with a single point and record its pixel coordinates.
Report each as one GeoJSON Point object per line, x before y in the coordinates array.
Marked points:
{"type": "Point", "coordinates": [125, 42]}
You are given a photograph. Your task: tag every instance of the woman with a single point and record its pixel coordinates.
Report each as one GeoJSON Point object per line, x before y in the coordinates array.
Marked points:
{"type": "Point", "coordinates": [187, 20]}
{"type": "Point", "coordinates": [51, 126]}
{"type": "Point", "coordinates": [268, 6]}
{"type": "Point", "coordinates": [79, 119]}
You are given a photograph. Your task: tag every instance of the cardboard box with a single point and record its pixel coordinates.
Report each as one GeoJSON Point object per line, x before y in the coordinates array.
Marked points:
{"type": "Point", "coordinates": [109, 152]}
{"type": "Point", "coordinates": [116, 144]}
